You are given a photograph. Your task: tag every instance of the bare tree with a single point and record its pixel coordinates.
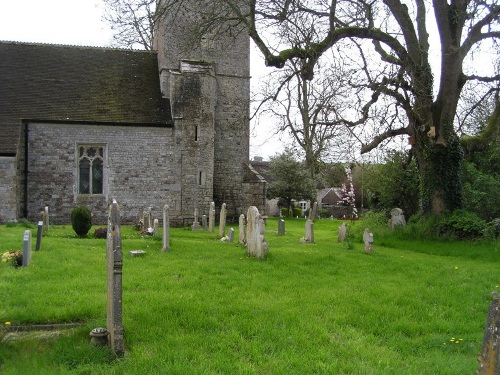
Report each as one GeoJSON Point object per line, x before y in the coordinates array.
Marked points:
{"type": "Point", "coordinates": [392, 41]}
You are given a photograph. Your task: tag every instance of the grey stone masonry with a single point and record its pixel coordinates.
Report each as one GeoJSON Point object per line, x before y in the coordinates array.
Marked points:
{"type": "Point", "coordinates": [114, 266]}
{"type": "Point", "coordinates": [8, 189]}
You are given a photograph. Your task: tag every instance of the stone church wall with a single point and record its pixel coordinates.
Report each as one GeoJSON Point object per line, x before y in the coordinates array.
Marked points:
{"type": "Point", "coordinates": [141, 170]}
{"type": "Point", "coordinates": [8, 189]}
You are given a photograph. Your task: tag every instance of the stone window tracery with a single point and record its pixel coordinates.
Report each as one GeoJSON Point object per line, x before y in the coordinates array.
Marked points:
{"type": "Point", "coordinates": [90, 169]}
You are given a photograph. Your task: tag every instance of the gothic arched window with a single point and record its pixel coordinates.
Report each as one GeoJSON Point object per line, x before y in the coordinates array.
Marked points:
{"type": "Point", "coordinates": [90, 169]}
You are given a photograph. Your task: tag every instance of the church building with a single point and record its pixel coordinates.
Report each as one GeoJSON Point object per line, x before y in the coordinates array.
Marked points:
{"type": "Point", "coordinates": [86, 125]}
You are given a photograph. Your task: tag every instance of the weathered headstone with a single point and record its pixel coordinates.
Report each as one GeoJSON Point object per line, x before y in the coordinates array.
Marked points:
{"type": "Point", "coordinates": [46, 218]}
{"type": "Point", "coordinates": [489, 360]}
{"type": "Point", "coordinates": [368, 240]}
{"type": "Point", "coordinates": [114, 264]}
{"type": "Point", "coordinates": [155, 227]}
{"type": "Point", "coordinates": [204, 222]}
{"type": "Point", "coordinates": [242, 230]}
{"type": "Point", "coordinates": [342, 232]}
{"type": "Point", "coordinates": [137, 253]}
{"type": "Point", "coordinates": [148, 219]}
{"type": "Point", "coordinates": [26, 248]}
{"type": "Point", "coordinates": [309, 237]}
{"type": "Point", "coordinates": [256, 243]}
{"type": "Point", "coordinates": [222, 221]}
{"type": "Point", "coordinates": [39, 236]}
{"type": "Point", "coordinates": [196, 225]}
{"type": "Point", "coordinates": [211, 217]}
{"type": "Point", "coordinates": [397, 218]}
{"type": "Point", "coordinates": [230, 235]}
{"type": "Point", "coordinates": [281, 227]}
{"type": "Point", "coordinates": [313, 211]}
{"type": "Point", "coordinates": [166, 229]}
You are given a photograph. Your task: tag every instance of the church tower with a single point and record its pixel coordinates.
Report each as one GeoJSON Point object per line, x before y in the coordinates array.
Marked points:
{"type": "Point", "coordinates": [205, 72]}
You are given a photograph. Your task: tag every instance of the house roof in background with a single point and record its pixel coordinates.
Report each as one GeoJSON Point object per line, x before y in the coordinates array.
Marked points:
{"type": "Point", "coordinates": [46, 82]}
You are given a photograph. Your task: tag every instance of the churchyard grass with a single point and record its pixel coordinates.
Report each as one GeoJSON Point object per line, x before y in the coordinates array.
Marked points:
{"type": "Point", "coordinates": [204, 307]}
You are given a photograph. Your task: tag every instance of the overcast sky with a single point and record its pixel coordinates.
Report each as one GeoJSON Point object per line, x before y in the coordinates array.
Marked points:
{"type": "Point", "coordinates": [79, 22]}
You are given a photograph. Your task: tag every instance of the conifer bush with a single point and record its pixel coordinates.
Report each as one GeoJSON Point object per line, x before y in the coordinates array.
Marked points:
{"type": "Point", "coordinates": [81, 220]}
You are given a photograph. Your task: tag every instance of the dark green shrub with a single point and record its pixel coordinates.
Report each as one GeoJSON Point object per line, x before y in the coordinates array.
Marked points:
{"type": "Point", "coordinates": [101, 233]}
{"type": "Point", "coordinates": [81, 220]}
{"type": "Point", "coordinates": [324, 213]}
{"type": "Point", "coordinates": [462, 224]}
{"type": "Point", "coordinates": [285, 212]}
{"type": "Point", "coordinates": [492, 231]}
{"type": "Point", "coordinates": [297, 212]}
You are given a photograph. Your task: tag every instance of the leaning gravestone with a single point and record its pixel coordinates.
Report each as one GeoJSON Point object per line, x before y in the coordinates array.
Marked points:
{"type": "Point", "coordinates": [489, 360]}
{"type": "Point", "coordinates": [309, 237]}
{"type": "Point", "coordinates": [242, 230]}
{"type": "Point", "coordinates": [166, 229]}
{"type": "Point", "coordinates": [256, 243]}
{"type": "Point", "coordinates": [211, 217]}
{"type": "Point", "coordinates": [26, 248]}
{"type": "Point", "coordinates": [281, 227]}
{"type": "Point", "coordinates": [222, 221]}
{"type": "Point", "coordinates": [397, 218]}
{"type": "Point", "coordinates": [342, 232]}
{"type": "Point", "coordinates": [114, 264]}
{"type": "Point", "coordinates": [368, 240]}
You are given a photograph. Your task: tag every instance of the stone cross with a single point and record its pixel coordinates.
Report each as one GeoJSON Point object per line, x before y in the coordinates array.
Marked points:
{"type": "Point", "coordinates": [114, 264]}
{"type": "Point", "coordinates": [196, 225]}
{"type": "Point", "coordinates": [397, 218]}
{"type": "Point", "coordinates": [166, 229]}
{"type": "Point", "coordinates": [342, 232]}
{"type": "Point", "coordinates": [368, 240]}
{"type": "Point", "coordinates": [39, 236]}
{"type": "Point", "coordinates": [230, 235]}
{"type": "Point", "coordinates": [46, 218]}
{"type": "Point", "coordinates": [309, 237]}
{"type": "Point", "coordinates": [256, 243]}
{"type": "Point", "coordinates": [281, 227]}
{"type": "Point", "coordinates": [26, 248]}
{"type": "Point", "coordinates": [211, 217]}
{"type": "Point", "coordinates": [242, 230]}
{"type": "Point", "coordinates": [222, 221]}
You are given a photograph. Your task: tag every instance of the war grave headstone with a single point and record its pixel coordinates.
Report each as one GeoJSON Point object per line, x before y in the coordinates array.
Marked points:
{"type": "Point", "coordinates": [114, 265]}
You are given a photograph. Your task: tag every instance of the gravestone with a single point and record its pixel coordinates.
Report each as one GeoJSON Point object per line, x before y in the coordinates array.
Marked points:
{"type": "Point", "coordinates": [230, 235]}
{"type": "Point", "coordinates": [342, 232]}
{"type": "Point", "coordinates": [26, 248]}
{"type": "Point", "coordinates": [489, 360]}
{"type": "Point", "coordinates": [166, 229]}
{"type": "Point", "coordinates": [313, 211]}
{"type": "Point", "coordinates": [256, 243]}
{"type": "Point", "coordinates": [46, 218]}
{"type": "Point", "coordinates": [368, 240]}
{"type": "Point", "coordinates": [204, 222]}
{"type": "Point", "coordinates": [196, 225]}
{"type": "Point", "coordinates": [39, 236]}
{"type": "Point", "coordinates": [137, 253]}
{"type": "Point", "coordinates": [140, 220]}
{"type": "Point", "coordinates": [222, 221]}
{"type": "Point", "coordinates": [211, 217]}
{"type": "Point", "coordinates": [155, 227]}
{"type": "Point", "coordinates": [309, 237]}
{"type": "Point", "coordinates": [148, 219]}
{"type": "Point", "coordinates": [242, 230]}
{"type": "Point", "coordinates": [397, 218]}
{"type": "Point", "coordinates": [281, 227]}
{"type": "Point", "coordinates": [114, 264]}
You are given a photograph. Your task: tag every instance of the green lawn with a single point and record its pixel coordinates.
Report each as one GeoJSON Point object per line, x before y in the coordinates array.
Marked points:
{"type": "Point", "coordinates": [206, 308]}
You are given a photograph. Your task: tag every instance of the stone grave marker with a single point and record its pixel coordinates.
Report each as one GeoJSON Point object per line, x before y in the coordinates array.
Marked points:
{"type": "Point", "coordinates": [397, 218]}
{"type": "Point", "coordinates": [230, 235]}
{"type": "Point", "coordinates": [46, 218]}
{"type": "Point", "coordinates": [39, 236]}
{"type": "Point", "coordinates": [309, 237]}
{"type": "Point", "coordinates": [155, 227]}
{"type": "Point", "coordinates": [148, 219]}
{"type": "Point", "coordinates": [342, 232]}
{"type": "Point", "coordinates": [368, 240]}
{"type": "Point", "coordinates": [114, 265]}
{"type": "Point", "coordinates": [281, 227]}
{"type": "Point", "coordinates": [242, 230]}
{"type": "Point", "coordinates": [204, 222]}
{"type": "Point", "coordinates": [196, 225]}
{"type": "Point", "coordinates": [313, 211]}
{"type": "Point", "coordinates": [222, 221]}
{"type": "Point", "coordinates": [26, 248]}
{"type": "Point", "coordinates": [256, 243]}
{"type": "Point", "coordinates": [166, 229]}
{"type": "Point", "coordinates": [489, 360]}
{"type": "Point", "coordinates": [211, 217]}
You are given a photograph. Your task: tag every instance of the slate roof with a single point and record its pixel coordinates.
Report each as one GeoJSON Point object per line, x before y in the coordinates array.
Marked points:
{"type": "Point", "coordinates": [77, 84]}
